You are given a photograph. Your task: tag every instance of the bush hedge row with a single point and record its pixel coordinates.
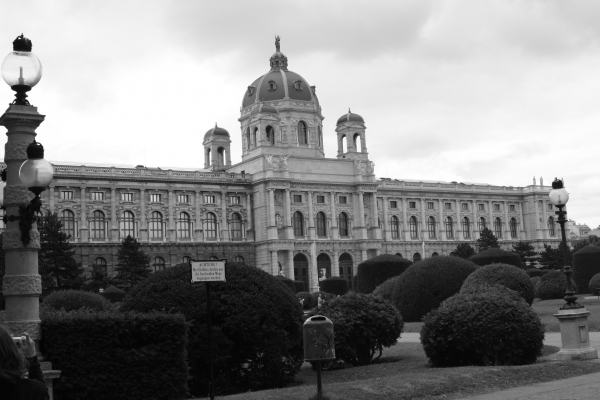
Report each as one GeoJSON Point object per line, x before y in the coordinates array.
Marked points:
{"type": "Point", "coordinates": [334, 285]}
{"type": "Point", "coordinates": [496, 256]}
{"type": "Point", "coordinates": [510, 276]}
{"type": "Point", "coordinates": [376, 270]}
{"type": "Point", "coordinates": [71, 300]}
{"type": "Point", "coordinates": [287, 282]}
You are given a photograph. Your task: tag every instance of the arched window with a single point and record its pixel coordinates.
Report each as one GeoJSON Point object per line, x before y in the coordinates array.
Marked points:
{"type": "Point", "coordinates": [345, 268]}
{"type": "Point", "coordinates": [302, 133]}
{"type": "Point", "coordinates": [416, 258]}
{"type": "Point", "coordinates": [238, 259]}
{"type": "Point", "coordinates": [236, 226]}
{"type": "Point", "coordinates": [213, 258]}
{"type": "Point", "coordinates": [159, 264]}
{"type": "Point", "coordinates": [395, 227]}
{"type": "Point", "coordinates": [449, 231]}
{"type": "Point", "coordinates": [270, 135]}
{"type": "Point", "coordinates": [344, 144]}
{"type": "Point", "coordinates": [254, 137]}
{"type": "Point", "coordinates": [67, 217]}
{"type": "Point", "coordinates": [221, 157]}
{"type": "Point", "coordinates": [399, 255]}
{"type": "Point", "coordinates": [431, 227]}
{"type": "Point", "coordinates": [434, 254]}
{"type": "Point", "coordinates": [298, 223]}
{"type": "Point", "coordinates": [156, 225]}
{"type": "Point", "coordinates": [513, 228]}
{"type": "Point", "coordinates": [357, 143]}
{"type": "Point", "coordinates": [100, 266]}
{"type": "Point", "coordinates": [551, 230]}
{"type": "Point", "coordinates": [210, 229]}
{"type": "Point", "coordinates": [466, 228]}
{"type": "Point", "coordinates": [321, 224]}
{"type": "Point", "coordinates": [498, 228]}
{"type": "Point", "coordinates": [481, 224]}
{"type": "Point", "coordinates": [414, 229]}
{"type": "Point", "coordinates": [184, 225]}
{"type": "Point", "coordinates": [186, 260]}
{"type": "Point", "coordinates": [98, 225]}
{"type": "Point", "coordinates": [319, 136]}
{"type": "Point", "coordinates": [343, 224]}
{"type": "Point", "coordinates": [127, 225]}
{"type": "Point", "coordinates": [248, 144]}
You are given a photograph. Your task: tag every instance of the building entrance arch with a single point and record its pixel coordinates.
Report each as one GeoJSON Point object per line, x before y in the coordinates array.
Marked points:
{"type": "Point", "coordinates": [301, 270]}
{"type": "Point", "coordinates": [346, 264]}
{"type": "Point", "coordinates": [323, 263]}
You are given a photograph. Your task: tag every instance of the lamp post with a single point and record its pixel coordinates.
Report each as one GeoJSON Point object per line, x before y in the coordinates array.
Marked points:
{"type": "Point", "coordinates": [559, 198]}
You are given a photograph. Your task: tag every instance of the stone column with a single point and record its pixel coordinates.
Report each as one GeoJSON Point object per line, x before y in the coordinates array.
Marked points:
{"type": "Point", "coordinates": [539, 235]}
{"type": "Point", "coordinates": [491, 216]}
{"type": "Point", "coordinates": [459, 234]}
{"type": "Point", "coordinates": [224, 218]}
{"type": "Point", "coordinates": [375, 218]}
{"type": "Point", "coordinates": [335, 235]}
{"type": "Point", "coordinates": [311, 221]}
{"type": "Point", "coordinates": [386, 228]}
{"type": "Point", "coordinates": [143, 224]}
{"type": "Point", "coordinates": [545, 233]}
{"type": "Point", "coordinates": [506, 224]}
{"type": "Point", "coordinates": [423, 224]}
{"type": "Point", "coordinates": [405, 224]}
{"type": "Point", "coordinates": [335, 265]}
{"type": "Point", "coordinates": [249, 226]}
{"type": "Point", "coordinates": [198, 227]}
{"type": "Point", "coordinates": [274, 263]}
{"type": "Point", "coordinates": [22, 283]}
{"type": "Point", "coordinates": [172, 233]}
{"type": "Point", "coordinates": [362, 229]}
{"type": "Point", "coordinates": [475, 221]}
{"type": "Point", "coordinates": [287, 215]}
{"type": "Point", "coordinates": [289, 268]}
{"type": "Point", "coordinates": [442, 224]}
{"type": "Point", "coordinates": [521, 227]}
{"type": "Point", "coordinates": [114, 228]}
{"type": "Point", "coordinates": [51, 198]}
{"type": "Point", "coordinates": [272, 234]}
{"type": "Point", "coordinates": [83, 228]}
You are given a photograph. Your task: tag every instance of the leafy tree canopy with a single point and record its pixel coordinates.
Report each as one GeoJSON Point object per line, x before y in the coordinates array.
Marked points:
{"type": "Point", "coordinates": [553, 258]}
{"type": "Point", "coordinates": [133, 264]}
{"type": "Point", "coordinates": [487, 240]}
{"type": "Point", "coordinates": [526, 251]}
{"type": "Point", "coordinates": [463, 250]}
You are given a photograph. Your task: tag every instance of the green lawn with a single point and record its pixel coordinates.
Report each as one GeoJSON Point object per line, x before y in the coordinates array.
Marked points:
{"type": "Point", "coordinates": [547, 308]}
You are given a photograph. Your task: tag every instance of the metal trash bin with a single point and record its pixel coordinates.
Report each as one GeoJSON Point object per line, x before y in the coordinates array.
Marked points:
{"type": "Point", "coordinates": [319, 342]}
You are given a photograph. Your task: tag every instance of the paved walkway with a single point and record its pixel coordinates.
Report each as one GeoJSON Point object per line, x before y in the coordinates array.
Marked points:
{"type": "Point", "coordinates": [585, 387]}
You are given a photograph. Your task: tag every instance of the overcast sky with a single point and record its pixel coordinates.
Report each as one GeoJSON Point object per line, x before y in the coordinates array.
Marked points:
{"type": "Point", "coordinates": [469, 91]}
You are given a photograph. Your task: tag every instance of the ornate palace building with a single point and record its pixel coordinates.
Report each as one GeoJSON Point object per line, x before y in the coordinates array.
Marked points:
{"type": "Point", "coordinates": [285, 205]}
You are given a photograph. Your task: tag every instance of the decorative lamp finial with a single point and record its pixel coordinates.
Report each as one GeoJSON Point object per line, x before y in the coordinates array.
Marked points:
{"type": "Point", "coordinates": [21, 43]}
{"type": "Point", "coordinates": [557, 184]}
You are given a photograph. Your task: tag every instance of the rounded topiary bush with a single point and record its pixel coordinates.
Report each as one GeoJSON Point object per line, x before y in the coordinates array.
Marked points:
{"type": "Point", "coordinates": [510, 276]}
{"type": "Point", "coordinates": [496, 256]}
{"type": "Point", "coordinates": [386, 289]}
{"type": "Point", "coordinates": [376, 270]}
{"type": "Point", "coordinates": [308, 301]}
{"type": "Point", "coordinates": [287, 282]}
{"type": "Point", "coordinates": [552, 285]}
{"type": "Point", "coordinates": [354, 283]}
{"type": "Point", "coordinates": [594, 283]}
{"type": "Point", "coordinates": [423, 286]}
{"type": "Point", "coordinates": [334, 285]}
{"type": "Point", "coordinates": [586, 264]}
{"type": "Point", "coordinates": [533, 272]}
{"type": "Point", "coordinates": [113, 294]}
{"type": "Point", "coordinates": [484, 325]}
{"type": "Point", "coordinates": [71, 300]}
{"type": "Point", "coordinates": [256, 325]}
{"type": "Point", "coordinates": [363, 324]}
{"type": "Point", "coordinates": [299, 286]}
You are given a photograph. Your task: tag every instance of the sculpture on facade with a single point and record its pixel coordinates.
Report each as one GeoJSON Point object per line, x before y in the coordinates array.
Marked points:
{"type": "Point", "coordinates": [277, 42]}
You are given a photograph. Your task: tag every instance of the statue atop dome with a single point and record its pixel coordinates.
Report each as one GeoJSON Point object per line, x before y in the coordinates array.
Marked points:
{"type": "Point", "coordinates": [277, 42]}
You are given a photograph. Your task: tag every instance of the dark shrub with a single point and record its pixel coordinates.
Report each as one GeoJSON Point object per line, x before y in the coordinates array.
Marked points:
{"type": "Point", "coordinates": [354, 283]}
{"type": "Point", "coordinates": [309, 301]}
{"type": "Point", "coordinates": [423, 286]}
{"type": "Point", "coordinates": [594, 283]}
{"type": "Point", "coordinates": [532, 272]}
{"type": "Point", "coordinates": [334, 285]}
{"type": "Point", "coordinates": [496, 256]}
{"type": "Point", "coordinates": [552, 285]}
{"type": "Point", "coordinates": [534, 281]}
{"type": "Point", "coordinates": [324, 297]}
{"type": "Point", "coordinates": [510, 276]}
{"type": "Point", "coordinates": [386, 289]}
{"type": "Point", "coordinates": [113, 294]}
{"type": "Point", "coordinates": [108, 355]}
{"type": "Point", "coordinates": [287, 282]}
{"type": "Point", "coordinates": [376, 270]}
{"type": "Point", "coordinates": [256, 321]}
{"type": "Point", "coordinates": [485, 325]}
{"type": "Point", "coordinates": [586, 264]}
{"type": "Point", "coordinates": [299, 286]}
{"type": "Point", "coordinates": [72, 300]}
{"type": "Point", "coordinates": [363, 325]}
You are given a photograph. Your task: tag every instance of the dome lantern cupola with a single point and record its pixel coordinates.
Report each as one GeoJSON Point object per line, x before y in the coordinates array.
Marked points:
{"type": "Point", "coordinates": [216, 149]}
{"type": "Point", "coordinates": [278, 59]}
{"type": "Point", "coordinates": [351, 136]}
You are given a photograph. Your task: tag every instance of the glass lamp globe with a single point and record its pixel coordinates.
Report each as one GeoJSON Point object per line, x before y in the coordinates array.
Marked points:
{"type": "Point", "coordinates": [36, 173]}
{"type": "Point", "coordinates": [558, 195]}
{"type": "Point", "coordinates": [21, 69]}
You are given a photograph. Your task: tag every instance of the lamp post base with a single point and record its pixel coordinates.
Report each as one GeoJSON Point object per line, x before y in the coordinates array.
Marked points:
{"type": "Point", "coordinates": [575, 336]}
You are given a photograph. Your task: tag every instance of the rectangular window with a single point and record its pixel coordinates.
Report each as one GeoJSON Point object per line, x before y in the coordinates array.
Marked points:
{"type": "Point", "coordinates": [481, 207]}
{"type": "Point", "coordinates": [209, 199]}
{"type": "Point", "coordinates": [412, 204]}
{"type": "Point", "coordinates": [464, 206]}
{"type": "Point", "coordinates": [496, 207]}
{"type": "Point", "coordinates": [126, 196]}
{"type": "Point", "coordinates": [512, 207]}
{"type": "Point", "coordinates": [343, 200]}
{"type": "Point", "coordinates": [97, 196]}
{"type": "Point", "coordinates": [234, 199]}
{"type": "Point", "coordinates": [430, 205]}
{"type": "Point", "coordinates": [155, 198]}
{"type": "Point", "coordinates": [66, 194]}
{"type": "Point", "coordinates": [448, 206]}
{"type": "Point", "coordinates": [549, 205]}
{"type": "Point", "coordinates": [393, 204]}
{"type": "Point", "coordinates": [297, 198]}
{"type": "Point", "coordinates": [183, 198]}
{"type": "Point", "coordinates": [320, 199]}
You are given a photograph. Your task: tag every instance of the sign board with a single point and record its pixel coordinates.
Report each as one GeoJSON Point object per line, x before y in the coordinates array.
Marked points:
{"type": "Point", "coordinates": [208, 271]}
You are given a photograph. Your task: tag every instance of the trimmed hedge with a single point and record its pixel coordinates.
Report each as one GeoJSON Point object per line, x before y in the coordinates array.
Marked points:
{"type": "Point", "coordinates": [496, 256]}
{"type": "Point", "coordinates": [334, 285]}
{"type": "Point", "coordinates": [485, 325]}
{"type": "Point", "coordinates": [594, 283]}
{"type": "Point", "coordinates": [376, 270]}
{"type": "Point", "coordinates": [586, 264]}
{"type": "Point", "coordinates": [299, 286]}
{"type": "Point", "coordinates": [386, 289]}
{"type": "Point", "coordinates": [552, 285]}
{"type": "Point", "coordinates": [423, 286]}
{"type": "Point", "coordinates": [113, 294]}
{"type": "Point", "coordinates": [364, 324]}
{"type": "Point", "coordinates": [287, 282]}
{"type": "Point", "coordinates": [354, 283]}
{"type": "Point", "coordinates": [71, 300]}
{"type": "Point", "coordinates": [510, 276]}
{"type": "Point", "coordinates": [533, 272]}
{"type": "Point", "coordinates": [256, 321]}
{"type": "Point", "coordinates": [116, 356]}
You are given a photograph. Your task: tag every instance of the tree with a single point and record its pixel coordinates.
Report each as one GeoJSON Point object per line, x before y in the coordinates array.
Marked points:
{"type": "Point", "coordinates": [580, 245]}
{"type": "Point", "coordinates": [133, 264]}
{"type": "Point", "coordinates": [553, 258]}
{"type": "Point", "coordinates": [463, 250]}
{"type": "Point", "coordinates": [487, 240]}
{"type": "Point", "coordinates": [57, 267]}
{"type": "Point", "coordinates": [526, 251]}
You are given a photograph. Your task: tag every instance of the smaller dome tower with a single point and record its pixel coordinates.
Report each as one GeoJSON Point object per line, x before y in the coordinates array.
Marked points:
{"type": "Point", "coordinates": [216, 149]}
{"type": "Point", "coordinates": [351, 129]}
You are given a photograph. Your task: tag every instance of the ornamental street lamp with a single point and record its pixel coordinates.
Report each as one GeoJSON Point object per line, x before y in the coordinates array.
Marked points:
{"type": "Point", "coordinates": [559, 198]}
{"type": "Point", "coordinates": [21, 69]}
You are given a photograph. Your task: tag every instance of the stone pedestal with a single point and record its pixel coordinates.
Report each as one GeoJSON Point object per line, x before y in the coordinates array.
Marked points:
{"type": "Point", "coordinates": [49, 376]}
{"type": "Point", "coordinates": [575, 335]}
